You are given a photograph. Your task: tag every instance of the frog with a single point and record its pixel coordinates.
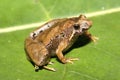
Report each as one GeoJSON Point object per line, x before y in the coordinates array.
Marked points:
{"type": "Point", "coordinates": [54, 38]}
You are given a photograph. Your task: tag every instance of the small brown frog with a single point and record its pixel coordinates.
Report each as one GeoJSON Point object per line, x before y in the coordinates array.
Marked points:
{"type": "Point", "coordinates": [54, 38]}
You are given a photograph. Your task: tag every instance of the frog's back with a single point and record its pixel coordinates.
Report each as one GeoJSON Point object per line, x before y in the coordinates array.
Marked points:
{"type": "Point", "coordinates": [59, 29]}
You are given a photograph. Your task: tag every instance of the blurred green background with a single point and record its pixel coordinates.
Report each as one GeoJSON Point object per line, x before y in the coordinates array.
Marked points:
{"type": "Point", "coordinates": [98, 61]}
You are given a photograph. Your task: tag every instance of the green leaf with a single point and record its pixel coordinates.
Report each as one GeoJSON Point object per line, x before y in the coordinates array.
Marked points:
{"type": "Point", "coordinates": [98, 61]}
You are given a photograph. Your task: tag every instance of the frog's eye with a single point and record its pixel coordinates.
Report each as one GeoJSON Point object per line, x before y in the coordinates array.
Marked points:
{"type": "Point", "coordinates": [76, 26]}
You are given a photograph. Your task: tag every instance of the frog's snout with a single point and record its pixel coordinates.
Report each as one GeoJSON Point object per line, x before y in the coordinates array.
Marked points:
{"type": "Point", "coordinates": [85, 25]}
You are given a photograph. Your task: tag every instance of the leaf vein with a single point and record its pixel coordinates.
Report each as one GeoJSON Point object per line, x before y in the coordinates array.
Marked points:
{"type": "Point", "coordinates": [85, 75]}
{"type": "Point", "coordinates": [45, 11]}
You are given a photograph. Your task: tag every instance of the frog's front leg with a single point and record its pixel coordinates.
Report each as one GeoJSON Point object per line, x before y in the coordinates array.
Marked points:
{"type": "Point", "coordinates": [60, 55]}
{"type": "Point", "coordinates": [93, 38]}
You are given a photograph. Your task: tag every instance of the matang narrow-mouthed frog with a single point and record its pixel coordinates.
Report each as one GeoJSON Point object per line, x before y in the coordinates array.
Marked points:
{"type": "Point", "coordinates": [55, 37]}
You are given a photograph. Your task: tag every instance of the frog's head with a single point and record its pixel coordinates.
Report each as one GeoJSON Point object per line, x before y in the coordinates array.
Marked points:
{"type": "Point", "coordinates": [82, 24]}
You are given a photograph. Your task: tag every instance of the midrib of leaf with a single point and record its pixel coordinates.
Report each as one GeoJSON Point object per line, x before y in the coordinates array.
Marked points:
{"type": "Point", "coordinates": [53, 7]}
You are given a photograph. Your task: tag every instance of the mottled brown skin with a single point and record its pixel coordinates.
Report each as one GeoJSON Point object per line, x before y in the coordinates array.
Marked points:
{"type": "Point", "coordinates": [56, 40]}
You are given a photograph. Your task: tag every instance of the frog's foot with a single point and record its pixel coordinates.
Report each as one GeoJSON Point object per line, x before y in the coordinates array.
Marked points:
{"type": "Point", "coordinates": [36, 68]}
{"type": "Point", "coordinates": [94, 39]}
{"type": "Point", "coordinates": [49, 68]}
{"type": "Point", "coordinates": [45, 67]}
{"type": "Point", "coordinates": [70, 60]}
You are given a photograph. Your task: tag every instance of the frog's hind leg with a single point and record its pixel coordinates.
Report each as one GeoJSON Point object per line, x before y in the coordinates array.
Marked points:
{"type": "Point", "coordinates": [39, 55]}
{"type": "Point", "coordinates": [59, 53]}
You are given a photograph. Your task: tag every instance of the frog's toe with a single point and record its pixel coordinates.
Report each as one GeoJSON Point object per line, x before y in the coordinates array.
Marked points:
{"type": "Point", "coordinates": [49, 68]}
{"type": "Point", "coordinates": [70, 60]}
{"type": "Point", "coordinates": [94, 39]}
{"type": "Point", "coordinates": [51, 63]}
